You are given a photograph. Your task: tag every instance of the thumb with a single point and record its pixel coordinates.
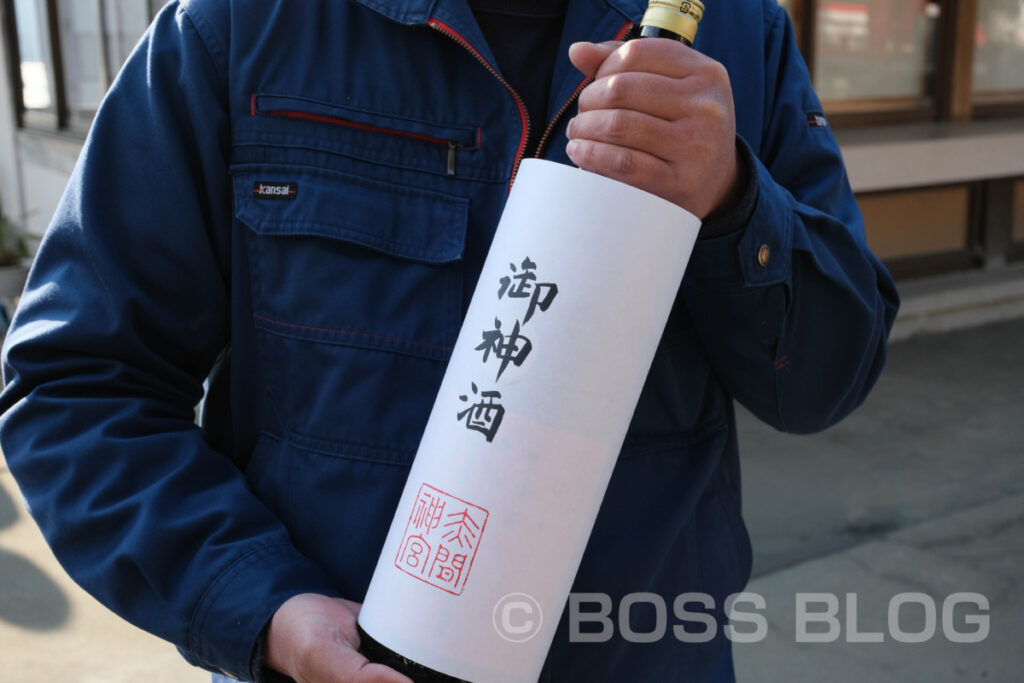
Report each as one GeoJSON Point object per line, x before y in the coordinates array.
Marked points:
{"type": "Point", "coordinates": [588, 57]}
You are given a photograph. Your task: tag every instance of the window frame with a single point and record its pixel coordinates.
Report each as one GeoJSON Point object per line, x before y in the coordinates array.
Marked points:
{"type": "Point", "coordinates": [28, 118]}
{"type": "Point", "coordinates": [998, 105]}
{"type": "Point", "coordinates": [61, 121]}
{"type": "Point", "coordinates": [953, 99]}
{"type": "Point", "coordinates": [872, 111]}
{"type": "Point", "coordinates": [1016, 242]}
{"type": "Point", "coordinates": [74, 122]}
{"type": "Point", "coordinates": [994, 104]}
{"type": "Point", "coordinates": [10, 38]}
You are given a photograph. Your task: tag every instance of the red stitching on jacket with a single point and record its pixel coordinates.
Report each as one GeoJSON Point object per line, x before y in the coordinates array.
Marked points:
{"type": "Point", "coordinates": [335, 121]}
{"type": "Point", "coordinates": [353, 332]}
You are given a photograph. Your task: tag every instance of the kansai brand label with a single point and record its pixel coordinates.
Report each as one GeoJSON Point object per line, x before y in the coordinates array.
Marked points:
{"type": "Point", "coordinates": [275, 190]}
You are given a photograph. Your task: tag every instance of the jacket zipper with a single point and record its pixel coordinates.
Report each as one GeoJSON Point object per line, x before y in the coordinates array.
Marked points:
{"type": "Point", "coordinates": [335, 121]}
{"type": "Point", "coordinates": [447, 30]}
{"type": "Point", "coordinates": [623, 32]}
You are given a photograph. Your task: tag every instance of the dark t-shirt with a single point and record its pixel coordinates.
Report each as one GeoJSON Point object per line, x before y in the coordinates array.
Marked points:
{"type": "Point", "coordinates": [524, 37]}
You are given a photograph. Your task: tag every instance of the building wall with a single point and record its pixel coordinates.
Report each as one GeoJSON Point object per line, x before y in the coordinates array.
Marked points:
{"type": "Point", "coordinates": [10, 177]}
{"type": "Point", "coordinates": [45, 163]}
{"type": "Point", "coordinates": [936, 195]}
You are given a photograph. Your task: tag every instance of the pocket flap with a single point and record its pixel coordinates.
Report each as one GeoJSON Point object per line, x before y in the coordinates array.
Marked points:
{"type": "Point", "coordinates": [324, 112]}
{"type": "Point", "coordinates": [406, 222]}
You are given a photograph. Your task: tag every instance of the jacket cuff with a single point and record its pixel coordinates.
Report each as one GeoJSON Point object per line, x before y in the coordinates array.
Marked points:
{"type": "Point", "coordinates": [756, 256]}
{"type": "Point", "coordinates": [736, 217]}
{"type": "Point", "coordinates": [260, 673]}
{"type": "Point", "coordinates": [226, 626]}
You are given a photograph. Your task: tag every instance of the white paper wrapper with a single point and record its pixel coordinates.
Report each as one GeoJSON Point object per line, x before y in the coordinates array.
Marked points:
{"type": "Point", "coordinates": [517, 454]}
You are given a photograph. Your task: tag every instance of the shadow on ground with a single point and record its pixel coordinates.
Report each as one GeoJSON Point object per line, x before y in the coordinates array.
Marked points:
{"type": "Point", "coordinates": [28, 597]}
{"type": "Point", "coordinates": [8, 513]}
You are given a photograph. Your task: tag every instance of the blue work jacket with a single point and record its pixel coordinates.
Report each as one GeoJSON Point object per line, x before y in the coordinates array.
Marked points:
{"type": "Point", "coordinates": [314, 185]}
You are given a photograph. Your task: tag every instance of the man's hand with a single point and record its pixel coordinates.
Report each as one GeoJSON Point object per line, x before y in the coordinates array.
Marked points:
{"type": "Point", "coordinates": [658, 116]}
{"type": "Point", "coordinates": [313, 639]}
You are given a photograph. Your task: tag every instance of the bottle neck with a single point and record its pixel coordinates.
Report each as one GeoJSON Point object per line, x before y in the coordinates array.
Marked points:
{"type": "Point", "coordinates": [658, 32]}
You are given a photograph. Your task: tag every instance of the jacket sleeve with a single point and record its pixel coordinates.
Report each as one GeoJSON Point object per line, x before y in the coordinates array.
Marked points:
{"type": "Point", "coordinates": [124, 312]}
{"type": "Point", "coordinates": [794, 310]}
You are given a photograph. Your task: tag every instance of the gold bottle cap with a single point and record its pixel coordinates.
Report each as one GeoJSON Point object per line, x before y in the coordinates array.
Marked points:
{"type": "Point", "coordinates": [679, 17]}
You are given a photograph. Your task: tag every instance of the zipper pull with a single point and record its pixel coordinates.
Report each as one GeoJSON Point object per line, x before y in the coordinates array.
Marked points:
{"type": "Point", "coordinates": [452, 146]}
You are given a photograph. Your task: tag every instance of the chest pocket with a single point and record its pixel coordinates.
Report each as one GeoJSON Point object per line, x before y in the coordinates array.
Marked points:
{"type": "Point", "coordinates": [356, 294]}
{"type": "Point", "coordinates": [351, 261]}
{"type": "Point", "coordinates": [356, 290]}
{"type": "Point", "coordinates": [298, 122]}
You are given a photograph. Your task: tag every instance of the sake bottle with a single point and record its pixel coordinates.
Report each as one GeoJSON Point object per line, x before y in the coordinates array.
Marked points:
{"type": "Point", "coordinates": [509, 476]}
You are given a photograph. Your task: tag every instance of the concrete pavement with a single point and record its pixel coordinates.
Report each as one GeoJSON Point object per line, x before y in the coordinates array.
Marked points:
{"type": "Point", "coordinates": [921, 490]}
{"type": "Point", "coordinates": [979, 550]}
{"type": "Point", "coordinates": [52, 631]}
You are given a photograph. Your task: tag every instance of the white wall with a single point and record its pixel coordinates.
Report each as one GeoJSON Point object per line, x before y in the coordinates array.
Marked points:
{"type": "Point", "coordinates": [34, 165]}
{"type": "Point", "coordinates": [46, 164]}
{"type": "Point", "coordinates": [10, 187]}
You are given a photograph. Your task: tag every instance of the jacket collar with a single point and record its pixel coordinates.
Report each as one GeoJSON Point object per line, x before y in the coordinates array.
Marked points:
{"type": "Point", "coordinates": [419, 11]}
{"type": "Point", "coordinates": [402, 11]}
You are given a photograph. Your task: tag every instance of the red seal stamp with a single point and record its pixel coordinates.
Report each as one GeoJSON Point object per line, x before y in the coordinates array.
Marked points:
{"type": "Point", "coordinates": [441, 539]}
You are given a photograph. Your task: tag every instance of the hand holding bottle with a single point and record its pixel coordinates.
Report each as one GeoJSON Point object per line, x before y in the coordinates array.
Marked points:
{"type": "Point", "coordinates": [313, 639]}
{"type": "Point", "coordinates": [659, 116]}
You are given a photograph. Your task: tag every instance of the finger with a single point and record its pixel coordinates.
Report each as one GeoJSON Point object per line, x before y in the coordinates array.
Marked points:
{"type": "Point", "coordinates": [587, 57]}
{"type": "Point", "coordinates": [631, 129]}
{"type": "Point", "coordinates": [378, 673]}
{"type": "Point", "coordinates": [630, 166]}
{"type": "Point", "coordinates": [352, 606]}
{"type": "Point", "coordinates": [652, 55]}
{"type": "Point", "coordinates": [653, 94]}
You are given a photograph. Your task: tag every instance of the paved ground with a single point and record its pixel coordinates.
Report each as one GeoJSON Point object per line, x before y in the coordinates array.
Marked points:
{"type": "Point", "coordinates": [51, 631]}
{"type": "Point", "coordinates": [922, 490]}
